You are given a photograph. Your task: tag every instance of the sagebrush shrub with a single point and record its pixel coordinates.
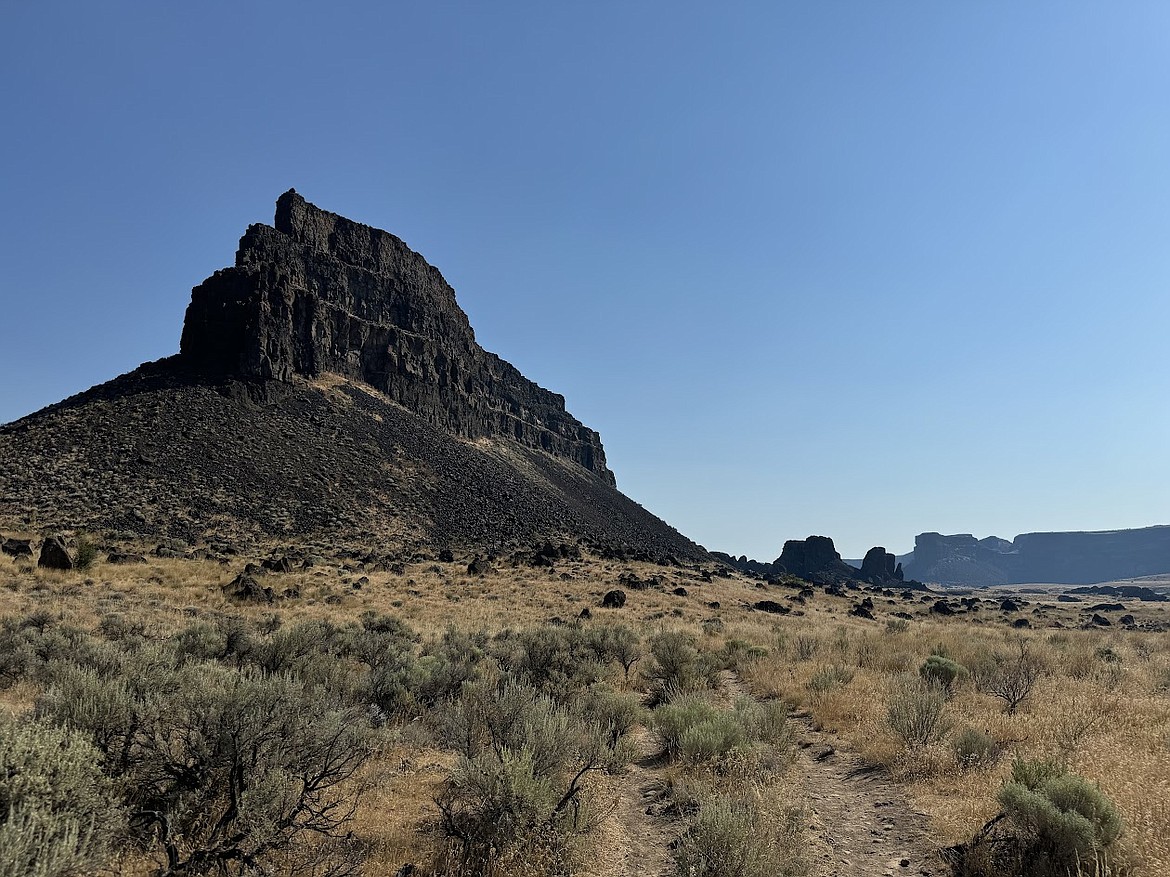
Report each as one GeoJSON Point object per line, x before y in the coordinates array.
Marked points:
{"type": "Point", "coordinates": [730, 837]}
{"type": "Point", "coordinates": [220, 768]}
{"type": "Point", "coordinates": [1064, 823]}
{"type": "Point", "coordinates": [518, 781]}
{"type": "Point", "coordinates": [58, 813]}
{"type": "Point", "coordinates": [974, 749]}
{"type": "Point", "coordinates": [86, 553]}
{"type": "Point", "coordinates": [943, 671]}
{"type": "Point", "coordinates": [830, 678]}
{"type": "Point", "coordinates": [916, 711]}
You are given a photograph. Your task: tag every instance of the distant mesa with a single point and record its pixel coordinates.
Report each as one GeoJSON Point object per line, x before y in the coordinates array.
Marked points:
{"type": "Point", "coordinates": [328, 386]}
{"type": "Point", "coordinates": [1058, 558]}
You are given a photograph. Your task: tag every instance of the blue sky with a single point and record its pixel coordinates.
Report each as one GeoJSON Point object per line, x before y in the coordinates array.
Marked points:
{"type": "Point", "coordinates": [852, 268]}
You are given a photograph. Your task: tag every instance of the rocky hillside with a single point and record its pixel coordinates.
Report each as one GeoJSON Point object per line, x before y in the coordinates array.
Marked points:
{"type": "Point", "coordinates": [328, 385]}
{"type": "Point", "coordinates": [1060, 558]}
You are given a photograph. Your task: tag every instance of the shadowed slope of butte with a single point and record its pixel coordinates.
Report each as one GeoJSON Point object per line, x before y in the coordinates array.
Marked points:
{"type": "Point", "coordinates": [328, 384]}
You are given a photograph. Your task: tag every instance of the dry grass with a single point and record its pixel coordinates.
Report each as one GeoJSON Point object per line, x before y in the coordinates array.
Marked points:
{"type": "Point", "coordinates": [1100, 708]}
{"type": "Point", "coordinates": [1103, 705]}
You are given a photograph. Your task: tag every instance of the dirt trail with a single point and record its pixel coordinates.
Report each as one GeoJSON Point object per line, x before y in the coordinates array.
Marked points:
{"type": "Point", "coordinates": [637, 842]}
{"type": "Point", "coordinates": [862, 825]}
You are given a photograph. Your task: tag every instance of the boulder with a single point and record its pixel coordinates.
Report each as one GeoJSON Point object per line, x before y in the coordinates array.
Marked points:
{"type": "Point", "coordinates": [54, 554]}
{"type": "Point", "coordinates": [771, 606]}
{"type": "Point", "coordinates": [121, 557]}
{"type": "Point", "coordinates": [614, 599]}
{"type": "Point", "coordinates": [17, 547]}
{"type": "Point", "coordinates": [244, 587]}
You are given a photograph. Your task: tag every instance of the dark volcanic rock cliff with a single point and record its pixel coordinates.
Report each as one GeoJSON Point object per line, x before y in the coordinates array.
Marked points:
{"type": "Point", "coordinates": [328, 387]}
{"type": "Point", "coordinates": [1059, 558]}
{"type": "Point", "coordinates": [319, 293]}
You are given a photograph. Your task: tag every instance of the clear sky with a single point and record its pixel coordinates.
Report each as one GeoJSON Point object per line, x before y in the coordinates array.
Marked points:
{"type": "Point", "coordinates": [861, 269]}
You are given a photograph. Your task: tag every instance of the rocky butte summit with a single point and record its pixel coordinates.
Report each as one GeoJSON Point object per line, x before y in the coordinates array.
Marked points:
{"type": "Point", "coordinates": [327, 384]}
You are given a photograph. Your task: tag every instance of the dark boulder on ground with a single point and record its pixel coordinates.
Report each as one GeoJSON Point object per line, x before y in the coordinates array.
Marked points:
{"type": "Point", "coordinates": [1100, 620]}
{"type": "Point", "coordinates": [245, 588]}
{"type": "Point", "coordinates": [277, 564]}
{"type": "Point", "coordinates": [614, 599]}
{"type": "Point", "coordinates": [1009, 606]}
{"type": "Point", "coordinates": [771, 606]}
{"type": "Point", "coordinates": [1132, 592]}
{"type": "Point", "coordinates": [54, 554]}
{"type": "Point", "coordinates": [479, 567]}
{"type": "Point", "coordinates": [942, 607]}
{"type": "Point", "coordinates": [123, 557]}
{"type": "Point", "coordinates": [17, 547]}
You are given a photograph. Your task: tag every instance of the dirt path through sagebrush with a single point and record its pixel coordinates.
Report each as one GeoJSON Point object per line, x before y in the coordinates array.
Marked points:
{"type": "Point", "coordinates": [861, 824]}
{"type": "Point", "coordinates": [638, 835]}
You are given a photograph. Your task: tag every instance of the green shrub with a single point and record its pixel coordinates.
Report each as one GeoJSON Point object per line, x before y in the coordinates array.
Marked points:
{"type": "Point", "coordinates": [518, 781]}
{"type": "Point", "coordinates": [220, 768]}
{"type": "Point", "coordinates": [677, 666]}
{"type": "Point", "coordinates": [1064, 823]}
{"type": "Point", "coordinates": [57, 810]}
{"type": "Point", "coordinates": [975, 749]}
{"type": "Point", "coordinates": [916, 711]}
{"type": "Point", "coordinates": [765, 721]}
{"type": "Point", "coordinates": [737, 655]}
{"type": "Point", "coordinates": [829, 678]}
{"type": "Point", "coordinates": [615, 642]}
{"type": "Point", "coordinates": [806, 646]}
{"type": "Point", "coordinates": [943, 671]}
{"type": "Point", "coordinates": [730, 837]}
{"type": "Point", "coordinates": [674, 719]}
{"type": "Point", "coordinates": [86, 553]}
{"type": "Point", "coordinates": [616, 713]}
{"type": "Point", "coordinates": [558, 660]}
{"type": "Point", "coordinates": [712, 739]}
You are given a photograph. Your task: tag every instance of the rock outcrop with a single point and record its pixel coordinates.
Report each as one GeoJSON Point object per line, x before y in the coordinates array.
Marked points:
{"type": "Point", "coordinates": [1060, 558]}
{"type": "Point", "coordinates": [318, 293]}
{"type": "Point", "coordinates": [815, 559]}
{"type": "Point", "coordinates": [880, 567]}
{"type": "Point", "coordinates": [329, 392]}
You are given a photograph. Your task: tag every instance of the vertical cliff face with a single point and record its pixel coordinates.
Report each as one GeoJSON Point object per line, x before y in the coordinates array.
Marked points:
{"type": "Point", "coordinates": [1062, 558]}
{"type": "Point", "coordinates": [317, 293]}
